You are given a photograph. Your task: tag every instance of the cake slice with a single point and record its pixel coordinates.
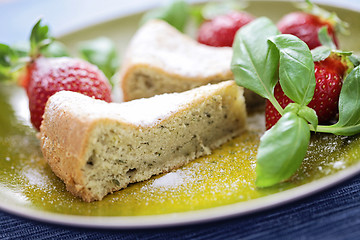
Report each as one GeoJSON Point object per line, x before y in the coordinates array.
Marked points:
{"type": "Point", "coordinates": [97, 148]}
{"type": "Point", "coordinates": [160, 59]}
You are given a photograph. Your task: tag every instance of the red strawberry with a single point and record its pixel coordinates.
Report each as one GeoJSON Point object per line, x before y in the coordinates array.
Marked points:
{"type": "Point", "coordinates": [306, 27]}
{"type": "Point", "coordinates": [46, 76]}
{"type": "Point", "coordinates": [271, 114]}
{"type": "Point", "coordinates": [329, 75]}
{"type": "Point", "coordinates": [220, 31]}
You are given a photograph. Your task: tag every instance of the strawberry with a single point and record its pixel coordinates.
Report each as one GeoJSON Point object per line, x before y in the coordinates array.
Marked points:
{"type": "Point", "coordinates": [306, 25]}
{"type": "Point", "coordinates": [220, 31]}
{"type": "Point", "coordinates": [271, 114]}
{"type": "Point", "coordinates": [329, 74]}
{"type": "Point", "coordinates": [44, 76]}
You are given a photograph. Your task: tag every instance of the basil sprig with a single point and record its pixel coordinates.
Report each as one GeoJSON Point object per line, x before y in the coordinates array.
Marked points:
{"type": "Point", "coordinates": [261, 57]}
{"type": "Point", "coordinates": [254, 61]}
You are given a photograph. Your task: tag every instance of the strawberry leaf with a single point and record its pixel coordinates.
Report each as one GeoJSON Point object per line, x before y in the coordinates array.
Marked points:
{"type": "Point", "coordinates": [196, 15]}
{"type": "Point", "coordinates": [5, 55]}
{"type": "Point", "coordinates": [55, 49]}
{"type": "Point", "coordinates": [322, 52]}
{"type": "Point", "coordinates": [325, 38]}
{"type": "Point", "coordinates": [328, 47]}
{"type": "Point", "coordinates": [278, 160]}
{"type": "Point", "coordinates": [10, 61]}
{"type": "Point", "coordinates": [39, 39]}
{"type": "Point", "coordinates": [21, 49]}
{"type": "Point", "coordinates": [355, 60]}
{"type": "Point", "coordinates": [296, 71]}
{"type": "Point", "coordinates": [254, 62]}
{"type": "Point", "coordinates": [101, 52]}
{"type": "Point", "coordinates": [176, 14]}
{"type": "Point", "coordinates": [213, 9]}
{"type": "Point", "coordinates": [340, 25]}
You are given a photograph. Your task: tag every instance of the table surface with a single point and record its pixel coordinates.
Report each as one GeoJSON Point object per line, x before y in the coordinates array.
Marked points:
{"type": "Point", "coordinates": [331, 214]}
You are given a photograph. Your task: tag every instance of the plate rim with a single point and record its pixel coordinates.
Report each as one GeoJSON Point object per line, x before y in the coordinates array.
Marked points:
{"type": "Point", "coordinates": [193, 216]}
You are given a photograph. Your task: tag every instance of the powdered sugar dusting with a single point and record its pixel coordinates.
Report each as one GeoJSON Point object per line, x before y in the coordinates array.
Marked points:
{"type": "Point", "coordinates": [141, 112]}
{"type": "Point", "coordinates": [170, 179]}
{"type": "Point", "coordinates": [158, 44]}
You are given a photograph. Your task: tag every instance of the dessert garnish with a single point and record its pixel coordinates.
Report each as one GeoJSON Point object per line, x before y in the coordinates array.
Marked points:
{"type": "Point", "coordinates": [42, 76]}
{"type": "Point", "coordinates": [262, 58]}
{"type": "Point", "coordinates": [307, 23]}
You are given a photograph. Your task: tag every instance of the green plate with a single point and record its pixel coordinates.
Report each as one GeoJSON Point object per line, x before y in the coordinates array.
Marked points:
{"type": "Point", "coordinates": [213, 187]}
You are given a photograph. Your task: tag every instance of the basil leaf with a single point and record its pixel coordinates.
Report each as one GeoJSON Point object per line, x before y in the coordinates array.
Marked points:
{"type": "Point", "coordinates": [349, 101]}
{"type": "Point", "coordinates": [292, 107]}
{"type": "Point", "coordinates": [282, 150]}
{"type": "Point", "coordinates": [320, 53]}
{"type": "Point", "coordinates": [255, 62]}
{"type": "Point", "coordinates": [305, 112]}
{"type": "Point", "coordinates": [296, 71]}
{"type": "Point", "coordinates": [176, 14]}
{"type": "Point", "coordinates": [101, 52]}
{"type": "Point", "coordinates": [349, 106]}
{"type": "Point", "coordinates": [309, 115]}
